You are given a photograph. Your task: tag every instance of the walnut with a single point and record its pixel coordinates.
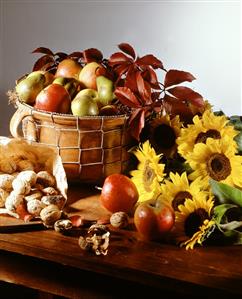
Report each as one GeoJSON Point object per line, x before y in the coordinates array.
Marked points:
{"type": "Point", "coordinates": [57, 200]}
{"type": "Point", "coordinates": [3, 196]}
{"type": "Point", "coordinates": [23, 165]}
{"type": "Point", "coordinates": [13, 200]}
{"type": "Point", "coordinates": [34, 194]}
{"type": "Point", "coordinates": [50, 191]}
{"type": "Point", "coordinates": [62, 225]}
{"type": "Point", "coordinates": [50, 214]}
{"type": "Point", "coordinates": [21, 187]}
{"type": "Point", "coordinates": [84, 244]}
{"type": "Point", "coordinates": [119, 220]}
{"type": "Point", "coordinates": [46, 179]}
{"type": "Point", "coordinates": [6, 181]}
{"type": "Point", "coordinates": [8, 166]}
{"type": "Point", "coordinates": [34, 207]}
{"type": "Point", "coordinates": [98, 236]}
{"type": "Point", "coordinates": [29, 176]}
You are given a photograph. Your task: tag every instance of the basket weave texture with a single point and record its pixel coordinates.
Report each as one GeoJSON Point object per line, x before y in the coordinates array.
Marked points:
{"type": "Point", "coordinates": [91, 148]}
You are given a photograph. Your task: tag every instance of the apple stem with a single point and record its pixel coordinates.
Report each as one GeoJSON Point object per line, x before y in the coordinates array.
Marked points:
{"type": "Point", "coordinates": [98, 188]}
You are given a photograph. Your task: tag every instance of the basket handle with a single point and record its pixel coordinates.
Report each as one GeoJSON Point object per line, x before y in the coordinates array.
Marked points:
{"type": "Point", "coordinates": [22, 115]}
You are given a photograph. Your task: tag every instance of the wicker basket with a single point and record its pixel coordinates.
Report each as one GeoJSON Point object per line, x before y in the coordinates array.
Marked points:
{"type": "Point", "coordinates": [91, 148]}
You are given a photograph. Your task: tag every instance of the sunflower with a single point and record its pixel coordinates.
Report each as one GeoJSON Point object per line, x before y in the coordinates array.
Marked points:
{"type": "Point", "coordinates": [150, 172]}
{"type": "Point", "coordinates": [163, 134]}
{"type": "Point", "coordinates": [207, 126]}
{"type": "Point", "coordinates": [194, 221]}
{"type": "Point", "coordinates": [217, 160]}
{"type": "Point", "coordinates": [176, 190]}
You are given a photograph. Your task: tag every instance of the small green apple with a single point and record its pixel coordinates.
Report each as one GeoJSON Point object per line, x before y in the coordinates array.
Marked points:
{"type": "Point", "coordinates": [84, 106]}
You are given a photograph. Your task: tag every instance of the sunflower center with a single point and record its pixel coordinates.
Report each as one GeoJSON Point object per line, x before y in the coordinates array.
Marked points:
{"type": "Point", "coordinates": [194, 221]}
{"type": "Point", "coordinates": [148, 176]}
{"type": "Point", "coordinates": [164, 136]}
{"type": "Point", "coordinates": [202, 137]}
{"type": "Point", "coordinates": [218, 167]}
{"type": "Point", "coordinates": [180, 198]}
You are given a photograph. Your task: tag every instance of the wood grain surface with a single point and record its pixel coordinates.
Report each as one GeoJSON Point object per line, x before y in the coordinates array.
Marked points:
{"type": "Point", "coordinates": [210, 270]}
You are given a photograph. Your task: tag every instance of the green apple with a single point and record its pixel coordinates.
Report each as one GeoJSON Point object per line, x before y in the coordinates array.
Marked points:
{"type": "Point", "coordinates": [105, 90]}
{"type": "Point", "coordinates": [28, 88]}
{"type": "Point", "coordinates": [84, 106]}
{"type": "Point", "coordinates": [92, 93]}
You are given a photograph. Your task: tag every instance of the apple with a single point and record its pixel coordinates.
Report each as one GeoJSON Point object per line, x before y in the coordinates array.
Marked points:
{"type": "Point", "coordinates": [88, 92]}
{"type": "Point", "coordinates": [84, 106]}
{"type": "Point", "coordinates": [119, 193]}
{"type": "Point", "coordinates": [89, 74]}
{"type": "Point", "coordinates": [53, 98]}
{"type": "Point", "coordinates": [153, 219]}
{"type": "Point", "coordinates": [71, 85]}
{"type": "Point", "coordinates": [68, 68]}
{"type": "Point", "coordinates": [49, 77]}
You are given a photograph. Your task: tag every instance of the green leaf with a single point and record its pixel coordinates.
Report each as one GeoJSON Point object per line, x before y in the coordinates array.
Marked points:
{"type": "Point", "coordinates": [226, 193]}
{"type": "Point", "coordinates": [231, 225]}
{"type": "Point", "coordinates": [236, 121]}
{"type": "Point", "coordinates": [220, 211]}
{"type": "Point", "coordinates": [235, 235]}
{"type": "Point", "coordinates": [238, 139]}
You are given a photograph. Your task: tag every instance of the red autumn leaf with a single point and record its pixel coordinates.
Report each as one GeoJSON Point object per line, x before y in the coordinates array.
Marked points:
{"type": "Point", "coordinates": [127, 97]}
{"type": "Point", "coordinates": [187, 94]}
{"type": "Point", "coordinates": [121, 69]}
{"type": "Point", "coordinates": [42, 61]}
{"type": "Point", "coordinates": [92, 54]}
{"type": "Point", "coordinates": [61, 55]}
{"type": "Point", "coordinates": [174, 77]}
{"type": "Point", "coordinates": [155, 95]}
{"type": "Point", "coordinates": [150, 76]}
{"type": "Point", "coordinates": [128, 49]}
{"type": "Point", "coordinates": [137, 123]}
{"type": "Point", "coordinates": [130, 80]}
{"type": "Point", "coordinates": [43, 50]}
{"type": "Point", "coordinates": [149, 60]}
{"type": "Point", "coordinates": [119, 58]}
{"type": "Point", "coordinates": [175, 107]}
{"type": "Point", "coordinates": [143, 88]}
{"type": "Point", "coordinates": [76, 55]}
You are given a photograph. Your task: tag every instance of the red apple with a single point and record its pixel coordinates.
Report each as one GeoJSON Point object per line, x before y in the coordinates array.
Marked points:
{"type": "Point", "coordinates": [153, 220]}
{"type": "Point", "coordinates": [119, 193]}
{"type": "Point", "coordinates": [68, 68]}
{"type": "Point", "coordinates": [54, 98]}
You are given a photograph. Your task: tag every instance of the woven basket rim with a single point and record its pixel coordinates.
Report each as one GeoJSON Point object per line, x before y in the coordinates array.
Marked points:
{"type": "Point", "coordinates": [70, 116]}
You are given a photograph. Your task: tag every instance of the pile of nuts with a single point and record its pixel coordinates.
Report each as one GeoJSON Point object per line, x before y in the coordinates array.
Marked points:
{"type": "Point", "coordinates": [35, 190]}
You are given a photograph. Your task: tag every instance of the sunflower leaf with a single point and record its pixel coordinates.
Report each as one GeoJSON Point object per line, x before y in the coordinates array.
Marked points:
{"type": "Point", "coordinates": [226, 193]}
{"type": "Point", "coordinates": [231, 225]}
{"type": "Point", "coordinates": [220, 211]}
{"type": "Point", "coordinates": [234, 235]}
{"type": "Point", "coordinates": [236, 121]}
{"type": "Point", "coordinates": [238, 139]}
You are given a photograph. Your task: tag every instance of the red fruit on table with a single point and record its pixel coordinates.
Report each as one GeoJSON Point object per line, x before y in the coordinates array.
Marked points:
{"type": "Point", "coordinates": [153, 220]}
{"type": "Point", "coordinates": [119, 193]}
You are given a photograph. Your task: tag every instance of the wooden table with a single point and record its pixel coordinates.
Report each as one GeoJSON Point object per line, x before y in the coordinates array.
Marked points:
{"type": "Point", "coordinates": [53, 263]}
